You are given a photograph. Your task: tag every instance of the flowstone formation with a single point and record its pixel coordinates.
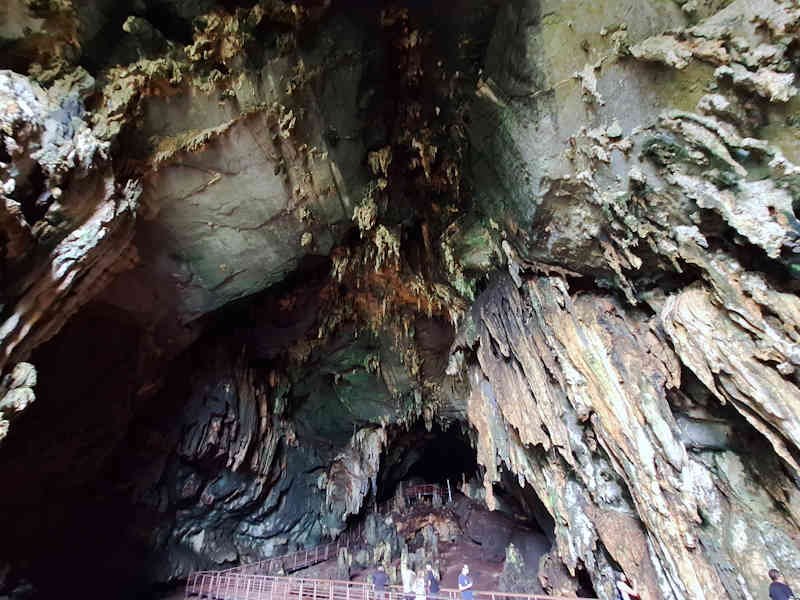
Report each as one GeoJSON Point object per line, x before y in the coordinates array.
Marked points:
{"type": "Point", "coordinates": [265, 261]}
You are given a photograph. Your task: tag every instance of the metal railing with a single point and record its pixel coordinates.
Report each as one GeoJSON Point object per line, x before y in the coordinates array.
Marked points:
{"type": "Point", "coordinates": [289, 563]}
{"type": "Point", "coordinates": [295, 561]}
{"type": "Point", "coordinates": [218, 585]}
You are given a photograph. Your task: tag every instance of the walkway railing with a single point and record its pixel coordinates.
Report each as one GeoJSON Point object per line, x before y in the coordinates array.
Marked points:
{"type": "Point", "coordinates": [289, 563]}
{"type": "Point", "coordinates": [218, 585]}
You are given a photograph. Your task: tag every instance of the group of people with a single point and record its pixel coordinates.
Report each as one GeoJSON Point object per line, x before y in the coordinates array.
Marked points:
{"type": "Point", "coordinates": [421, 584]}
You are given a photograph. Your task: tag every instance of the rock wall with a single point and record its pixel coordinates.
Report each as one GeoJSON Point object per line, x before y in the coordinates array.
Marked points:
{"type": "Point", "coordinates": [583, 399]}
{"type": "Point", "coordinates": [648, 163]}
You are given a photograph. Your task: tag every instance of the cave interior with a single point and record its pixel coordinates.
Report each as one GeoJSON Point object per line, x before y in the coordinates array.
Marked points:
{"type": "Point", "coordinates": [91, 460]}
{"type": "Point", "coordinates": [264, 264]}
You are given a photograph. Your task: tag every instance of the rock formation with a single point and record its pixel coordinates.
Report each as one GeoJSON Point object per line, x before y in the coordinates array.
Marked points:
{"type": "Point", "coordinates": [264, 260]}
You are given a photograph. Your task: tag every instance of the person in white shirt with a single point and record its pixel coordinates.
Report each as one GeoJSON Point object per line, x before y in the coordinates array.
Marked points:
{"type": "Point", "coordinates": [626, 588]}
{"type": "Point", "coordinates": [407, 577]}
{"type": "Point", "coordinates": [419, 585]}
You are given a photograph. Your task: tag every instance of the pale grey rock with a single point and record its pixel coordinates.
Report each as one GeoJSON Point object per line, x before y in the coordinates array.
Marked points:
{"type": "Point", "coordinates": [16, 393]}
{"type": "Point", "coordinates": [665, 49]}
{"type": "Point", "coordinates": [777, 87]}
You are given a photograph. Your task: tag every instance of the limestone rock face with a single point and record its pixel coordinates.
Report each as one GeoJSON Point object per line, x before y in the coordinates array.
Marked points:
{"type": "Point", "coordinates": [285, 191]}
{"type": "Point", "coordinates": [578, 394]}
{"type": "Point", "coordinates": [256, 257]}
{"type": "Point", "coordinates": [68, 222]}
{"type": "Point", "coordinates": [18, 393]}
{"type": "Point", "coordinates": [632, 181]}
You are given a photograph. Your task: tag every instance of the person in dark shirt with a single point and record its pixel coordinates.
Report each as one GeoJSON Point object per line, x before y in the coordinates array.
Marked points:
{"type": "Point", "coordinates": [465, 584]}
{"type": "Point", "coordinates": [778, 590]}
{"type": "Point", "coordinates": [379, 581]}
{"type": "Point", "coordinates": [432, 582]}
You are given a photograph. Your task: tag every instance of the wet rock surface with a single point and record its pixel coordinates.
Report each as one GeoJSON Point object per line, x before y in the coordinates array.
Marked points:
{"type": "Point", "coordinates": [263, 263]}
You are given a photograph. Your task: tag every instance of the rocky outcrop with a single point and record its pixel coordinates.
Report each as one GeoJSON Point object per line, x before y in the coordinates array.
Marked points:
{"type": "Point", "coordinates": [353, 474]}
{"type": "Point", "coordinates": [250, 467]}
{"type": "Point", "coordinates": [287, 191]}
{"type": "Point", "coordinates": [67, 221]}
{"type": "Point", "coordinates": [708, 332]}
{"type": "Point", "coordinates": [17, 393]}
{"type": "Point", "coordinates": [634, 187]}
{"type": "Point", "coordinates": [582, 400]}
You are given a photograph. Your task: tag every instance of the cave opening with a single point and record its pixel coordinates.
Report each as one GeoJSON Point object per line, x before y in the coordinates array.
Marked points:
{"type": "Point", "coordinates": [466, 530]}
{"type": "Point", "coordinates": [421, 455]}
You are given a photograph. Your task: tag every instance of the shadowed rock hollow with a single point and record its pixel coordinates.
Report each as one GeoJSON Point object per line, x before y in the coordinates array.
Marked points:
{"type": "Point", "coordinates": [263, 262]}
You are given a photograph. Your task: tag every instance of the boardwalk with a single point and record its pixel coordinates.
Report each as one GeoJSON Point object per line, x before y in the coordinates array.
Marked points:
{"type": "Point", "coordinates": [219, 585]}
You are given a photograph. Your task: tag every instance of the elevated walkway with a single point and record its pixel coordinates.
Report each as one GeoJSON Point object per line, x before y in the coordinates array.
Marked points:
{"type": "Point", "coordinates": [220, 585]}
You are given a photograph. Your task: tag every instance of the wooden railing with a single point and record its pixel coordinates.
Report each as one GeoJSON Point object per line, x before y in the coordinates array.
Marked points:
{"type": "Point", "coordinates": [218, 585]}
{"type": "Point", "coordinates": [289, 563]}
{"type": "Point", "coordinates": [424, 489]}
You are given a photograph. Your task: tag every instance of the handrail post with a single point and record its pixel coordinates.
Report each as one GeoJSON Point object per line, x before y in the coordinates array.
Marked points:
{"type": "Point", "coordinates": [217, 585]}
{"type": "Point", "coordinates": [247, 588]}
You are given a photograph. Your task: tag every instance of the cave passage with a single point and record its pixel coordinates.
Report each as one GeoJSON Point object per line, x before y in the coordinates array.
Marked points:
{"type": "Point", "coordinates": [422, 456]}
{"type": "Point", "coordinates": [466, 529]}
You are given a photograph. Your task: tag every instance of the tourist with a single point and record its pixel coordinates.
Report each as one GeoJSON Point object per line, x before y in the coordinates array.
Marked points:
{"type": "Point", "coordinates": [407, 575]}
{"type": "Point", "coordinates": [465, 584]}
{"type": "Point", "coordinates": [419, 585]}
{"type": "Point", "coordinates": [778, 590]}
{"type": "Point", "coordinates": [626, 590]}
{"type": "Point", "coordinates": [431, 580]}
{"type": "Point", "coordinates": [379, 581]}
